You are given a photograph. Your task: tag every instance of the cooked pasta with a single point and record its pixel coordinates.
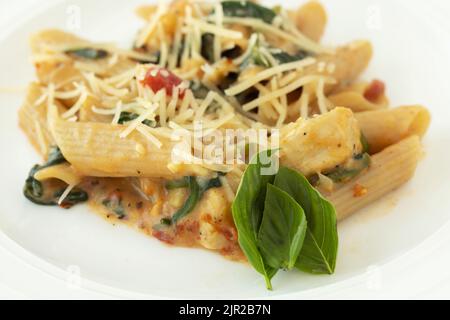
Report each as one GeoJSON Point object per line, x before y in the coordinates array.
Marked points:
{"type": "Point", "coordinates": [168, 136]}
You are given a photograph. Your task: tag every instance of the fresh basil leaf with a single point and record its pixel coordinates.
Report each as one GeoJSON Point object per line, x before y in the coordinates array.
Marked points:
{"type": "Point", "coordinates": [248, 9]}
{"type": "Point", "coordinates": [248, 208]}
{"type": "Point", "coordinates": [283, 229]}
{"type": "Point", "coordinates": [319, 252]}
{"type": "Point", "coordinates": [88, 53]}
{"type": "Point", "coordinates": [345, 174]}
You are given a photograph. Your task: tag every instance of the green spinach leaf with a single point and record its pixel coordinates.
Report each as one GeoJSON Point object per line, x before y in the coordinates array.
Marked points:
{"type": "Point", "coordinates": [88, 53]}
{"type": "Point", "coordinates": [207, 48]}
{"type": "Point", "coordinates": [114, 203]}
{"type": "Point", "coordinates": [347, 173]}
{"type": "Point", "coordinates": [44, 194]}
{"type": "Point", "coordinates": [248, 9]}
{"type": "Point", "coordinates": [189, 206]}
{"type": "Point", "coordinates": [365, 144]}
{"type": "Point", "coordinates": [129, 116]}
{"type": "Point", "coordinates": [196, 191]}
{"type": "Point", "coordinates": [284, 57]}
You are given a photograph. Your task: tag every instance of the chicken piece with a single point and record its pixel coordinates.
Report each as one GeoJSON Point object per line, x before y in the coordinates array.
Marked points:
{"type": "Point", "coordinates": [217, 231]}
{"type": "Point", "coordinates": [321, 143]}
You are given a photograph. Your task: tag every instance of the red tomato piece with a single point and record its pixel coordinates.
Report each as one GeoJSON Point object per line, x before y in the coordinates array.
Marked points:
{"type": "Point", "coordinates": [158, 79]}
{"type": "Point", "coordinates": [375, 90]}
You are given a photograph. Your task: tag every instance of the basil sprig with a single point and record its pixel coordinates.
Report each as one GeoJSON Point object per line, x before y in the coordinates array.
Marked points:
{"type": "Point", "coordinates": [283, 222]}
{"type": "Point", "coordinates": [283, 229]}
{"type": "Point", "coordinates": [319, 252]}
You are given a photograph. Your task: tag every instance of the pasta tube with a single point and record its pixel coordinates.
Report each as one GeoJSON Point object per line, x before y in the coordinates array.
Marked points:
{"type": "Point", "coordinates": [383, 128]}
{"type": "Point", "coordinates": [345, 66]}
{"type": "Point", "coordinates": [97, 149]}
{"type": "Point", "coordinates": [311, 20]}
{"type": "Point", "coordinates": [33, 120]}
{"type": "Point", "coordinates": [353, 98]}
{"type": "Point", "coordinates": [390, 169]}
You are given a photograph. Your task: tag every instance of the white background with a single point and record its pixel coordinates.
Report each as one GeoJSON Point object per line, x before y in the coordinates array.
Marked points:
{"type": "Point", "coordinates": [432, 275]}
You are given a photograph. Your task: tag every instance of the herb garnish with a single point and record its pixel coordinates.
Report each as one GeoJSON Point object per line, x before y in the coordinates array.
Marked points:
{"type": "Point", "coordinates": [284, 222]}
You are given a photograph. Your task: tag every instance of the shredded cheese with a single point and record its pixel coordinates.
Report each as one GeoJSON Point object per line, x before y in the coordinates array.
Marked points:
{"type": "Point", "coordinates": [78, 105]}
{"type": "Point", "coordinates": [283, 91]}
{"type": "Point", "coordinates": [228, 191]}
{"type": "Point", "coordinates": [66, 194]}
{"type": "Point", "coordinates": [150, 27]}
{"type": "Point", "coordinates": [117, 114]}
{"type": "Point", "coordinates": [135, 123]}
{"type": "Point", "coordinates": [298, 39]}
{"type": "Point", "coordinates": [268, 73]}
{"type": "Point", "coordinates": [216, 30]}
{"type": "Point", "coordinates": [322, 100]}
{"type": "Point", "coordinates": [146, 133]}
{"type": "Point", "coordinates": [217, 40]}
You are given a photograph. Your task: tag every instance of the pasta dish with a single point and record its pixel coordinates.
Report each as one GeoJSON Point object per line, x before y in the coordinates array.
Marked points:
{"type": "Point", "coordinates": [227, 125]}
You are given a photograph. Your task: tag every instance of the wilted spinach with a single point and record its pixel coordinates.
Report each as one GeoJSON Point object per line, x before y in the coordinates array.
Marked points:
{"type": "Point", "coordinates": [88, 53]}
{"type": "Point", "coordinates": [345, 173]}
{"type": "Point", "coordinates": [248, 9]}
{"type": "Point", "coordinates": [197, 189]}
{"type": "Point", "coordinates": [47, 194]}
{"type": "Point", "coordinates": [129, 116]}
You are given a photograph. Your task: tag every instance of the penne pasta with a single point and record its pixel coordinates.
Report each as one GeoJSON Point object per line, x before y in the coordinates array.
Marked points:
{"type": "Point", "coordinates": [390, 169]}
{"type": "Point", "coordinates": [353, 97]}
{"type": "Point", "coordinates": [383, 128]}
{"type": "Point", "coordinates": [345, 66]}
{"type": "Point", "coordinates": [96, 149]}
{"type": "Point", "coordinates": [63, 172]}
{"type": "Point", "coordinates": [33, 119]}
{"type": "Point", "coordinates": [311, 20]}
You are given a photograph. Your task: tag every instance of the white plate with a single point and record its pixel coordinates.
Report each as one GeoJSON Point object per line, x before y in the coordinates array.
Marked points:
{"type": "Point", "coordinates": [381, 250]}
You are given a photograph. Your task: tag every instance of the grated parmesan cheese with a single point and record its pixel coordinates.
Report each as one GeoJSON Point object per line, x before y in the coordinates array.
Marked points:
{"type": "Point", "coordinates": [66, 194]}
{"type": "Point", "coordinates": [268, 73]}
{"type": "Point", "coordinates": [150, 27]}
{"type": "Point", "coordinates": [283, 91]}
